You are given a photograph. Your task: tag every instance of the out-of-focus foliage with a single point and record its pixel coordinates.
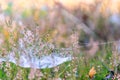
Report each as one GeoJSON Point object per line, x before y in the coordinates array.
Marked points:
{"type": "Point", "coordinates": [40, 26]}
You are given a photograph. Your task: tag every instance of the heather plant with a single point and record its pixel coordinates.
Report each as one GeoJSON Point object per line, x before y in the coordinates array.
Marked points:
{"type": "Point", "coordinates": [85, 34]}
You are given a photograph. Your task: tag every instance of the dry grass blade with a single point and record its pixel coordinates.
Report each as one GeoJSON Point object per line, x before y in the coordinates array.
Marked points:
{"type": "Point", "coordinates": [78, 22]}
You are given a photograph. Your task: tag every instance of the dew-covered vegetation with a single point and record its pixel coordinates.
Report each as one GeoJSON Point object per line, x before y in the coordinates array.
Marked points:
{"type": "Point", "coordinates": [59, 40]}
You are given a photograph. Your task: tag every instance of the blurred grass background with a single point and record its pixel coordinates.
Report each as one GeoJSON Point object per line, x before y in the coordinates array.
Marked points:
{"type": "Point", "coordinates": [80, 25]}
